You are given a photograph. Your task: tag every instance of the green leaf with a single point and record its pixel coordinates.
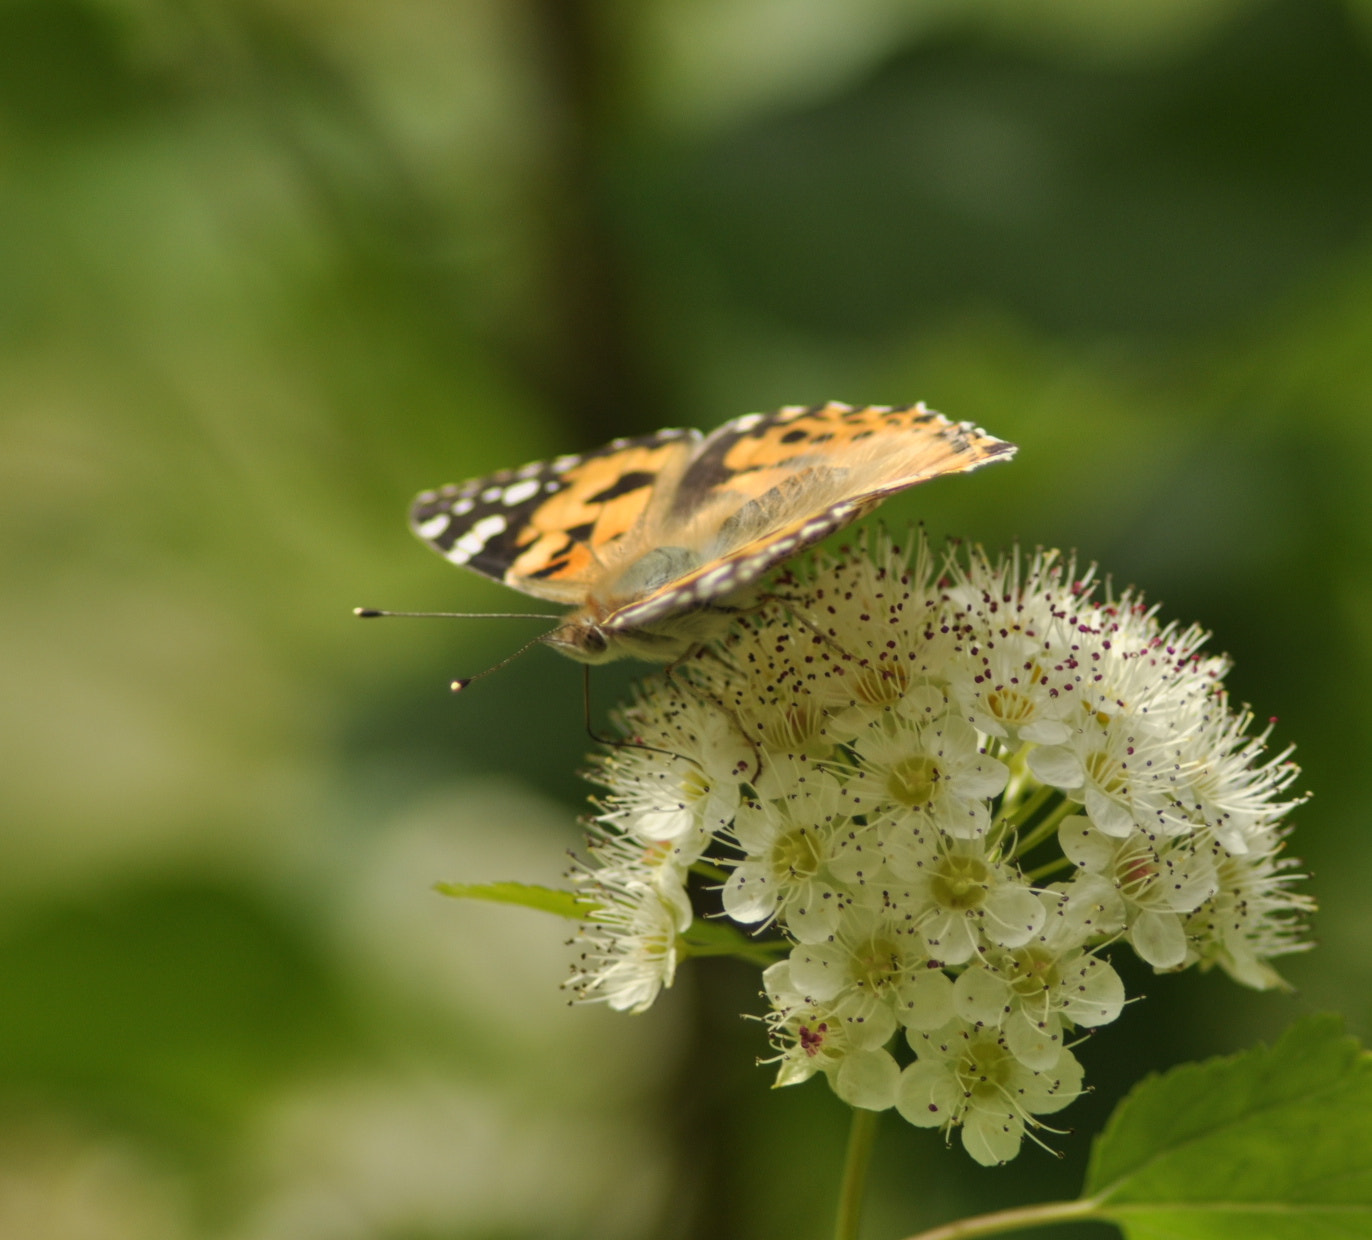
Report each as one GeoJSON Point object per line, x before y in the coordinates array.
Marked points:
{"type": "Point", "coordinates": [703, 938]}
{"type": "Point", "coordinates": [545, 899]}
{"type": "Point", "coordinates": [1272, 1144]}
{"type": "Point", "coordinates": [721, 938]}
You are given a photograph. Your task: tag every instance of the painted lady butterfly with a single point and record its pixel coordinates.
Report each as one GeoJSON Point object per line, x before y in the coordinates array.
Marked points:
{"type": "Point", "coordinates": [648, 538]}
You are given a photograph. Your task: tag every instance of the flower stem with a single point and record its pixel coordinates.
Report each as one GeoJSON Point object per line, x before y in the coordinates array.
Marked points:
{"type": "Point", "coordinates": [1047, 870]}
{"type": "Point", "coordinates": [1019, 1219]}
{"type": "Point", "coordinates": [1022, 810]}
{"type": "Point", "coordinates": [1045, 828]}
{"type": "Point", "coordinates": [722, 938]}
{"type": "Point", "coordinates": [862, 1135]}
{"type": "Point", "coordinates": [706, 870]}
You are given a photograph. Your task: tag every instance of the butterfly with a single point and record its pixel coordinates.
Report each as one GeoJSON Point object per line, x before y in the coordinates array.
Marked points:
{"type": "Point", "coordinates": [649, 539]}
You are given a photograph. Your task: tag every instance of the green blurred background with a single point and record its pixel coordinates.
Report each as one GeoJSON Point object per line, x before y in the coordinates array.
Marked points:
{"type": "Point", "coordinates": [269, 267]}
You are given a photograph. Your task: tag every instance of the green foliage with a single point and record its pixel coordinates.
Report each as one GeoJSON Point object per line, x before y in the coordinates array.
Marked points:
{"type": "Point", "coordinates": [544, 899]}
{"type": "Point", "coordinates": [721, 938]}
{"type": "Point", "coordinates": [704, 938]}
{"type": "Point", "coordinates": [1273, 1144]}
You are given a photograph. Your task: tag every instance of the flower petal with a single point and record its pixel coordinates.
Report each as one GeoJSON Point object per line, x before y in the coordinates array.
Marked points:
{"type": "Point", "coordinates": [868, 1079]}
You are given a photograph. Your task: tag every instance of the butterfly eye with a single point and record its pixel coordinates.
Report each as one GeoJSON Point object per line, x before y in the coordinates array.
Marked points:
{"type": "Point", "coordinates": [593, 641]}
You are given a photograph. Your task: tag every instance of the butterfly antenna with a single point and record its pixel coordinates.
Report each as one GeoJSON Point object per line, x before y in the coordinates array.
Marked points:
{"type": "Point", "coordinates": [372, 613]}
{"type": "Point", "coordinates": [463, 681]}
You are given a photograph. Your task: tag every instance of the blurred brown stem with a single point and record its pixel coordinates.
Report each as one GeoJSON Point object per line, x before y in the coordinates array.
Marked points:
{"type": "Point", "coordinates": [592, 364]}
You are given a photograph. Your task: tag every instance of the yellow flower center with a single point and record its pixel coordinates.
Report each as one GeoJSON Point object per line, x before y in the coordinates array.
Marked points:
{"type": "Point", "coordinates": [876, 964]}
{"type": "Point", "coordinates": [984, 1070]}
{"type": "Point", "coordinates": [695, 786]}
{"type": "Point", "coordinates": [913, 780]}
{"type": "Point", "coordinates": [796, 855]}
{"type": "Point", "coordinates": [960, 883]}
{"type": "Point", "coordinates": [1105, 772]}
{"type": "Point", "coordinates": [794, 727]}
{"type": "Point", "coordinates": [1035, 971]}
{"type": "Point", "coordinates": [1009, 706]}
{"type": "Point", "coordinates": [881, 684]}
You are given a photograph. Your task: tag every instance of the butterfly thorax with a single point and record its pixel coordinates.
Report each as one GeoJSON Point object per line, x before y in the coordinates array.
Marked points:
{"type": "Point", "coordinates": [581, 638]}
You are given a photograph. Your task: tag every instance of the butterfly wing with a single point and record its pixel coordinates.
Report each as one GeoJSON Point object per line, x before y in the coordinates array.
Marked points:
{"type": "Point", "coordinates": [549, 528]}
{"type": "Point", "coordinates": [763, 487]}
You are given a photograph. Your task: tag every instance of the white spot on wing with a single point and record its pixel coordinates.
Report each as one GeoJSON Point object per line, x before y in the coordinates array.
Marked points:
{"type": "Point", "coordinates": [474, 541]}
{"type": "Point", "coordinates": [714, 581]}
{"type": "Point", "coordinates": [521, 491]}
{"type": "Point", "coordinates": [433, 527]}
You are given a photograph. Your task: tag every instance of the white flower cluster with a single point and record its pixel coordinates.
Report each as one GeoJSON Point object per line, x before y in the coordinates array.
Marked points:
{"type": "Point", "coordinates": [942, 795]}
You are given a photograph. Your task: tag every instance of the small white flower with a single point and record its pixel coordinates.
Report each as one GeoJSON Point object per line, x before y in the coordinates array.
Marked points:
{"type": "Point", "coordinates": [1125, 663]}
{"type": "Point", "coordinates": [932, 772]}
{"type": "Point", "coordinates": [1124, 774]}
{"type": "Point", "coordinates": [968, 1077]}
{"type": "Point", "coordinates": [1035, 994]}
{"type": "Point", "coordinates": [964, 900]}
{"type": "Point", "coordinates": [1159, 881]}
{"type": "Point", "coordinates": [803, 855]}
{"type": "Point", "coordinates": [762, 678]}
{"type": "Point", "coordinates": [683, 776]}
{"type": "Point", "coordinates": [1005, 689]}
{"type": "Point", "coordinates": [630, 951]}
{"type": "Point", "coordinates": [808, 1035]}
{"type": "Point", "coordinates": [1230, 787]}
{"type": "Point", "coordinates": [872, 966]}
{"type": "Point", "coordinates": [1038, 599]}
{"type": "Point", "coordinates": [878, 617]}
{"type": "Point", "coordinates": [1253, 918]}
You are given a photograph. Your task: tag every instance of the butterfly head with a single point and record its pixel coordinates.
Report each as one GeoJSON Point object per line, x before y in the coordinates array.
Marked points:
{"type": "Point", "coordinates": [583, 640]}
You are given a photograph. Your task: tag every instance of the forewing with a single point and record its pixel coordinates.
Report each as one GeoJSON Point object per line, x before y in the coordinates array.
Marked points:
{"type": "Point", "coordinates": [873, 449]}
{"type": "Point", "coordinates": [763, 487]}
{"type": "Point", "coordinates": [548, 528]}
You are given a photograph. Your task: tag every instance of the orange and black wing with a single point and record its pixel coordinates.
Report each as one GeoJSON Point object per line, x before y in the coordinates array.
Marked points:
{"type": "Point", "coordinates": [763, 487]}
{"type": "Point", "coordinates": [548, 528]}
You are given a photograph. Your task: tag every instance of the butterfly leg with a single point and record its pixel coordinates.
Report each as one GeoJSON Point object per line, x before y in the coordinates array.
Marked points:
{"type": "Point", "coordinates": [704, 695]}
{"type": "Point", "coordinates": [611, 742]}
